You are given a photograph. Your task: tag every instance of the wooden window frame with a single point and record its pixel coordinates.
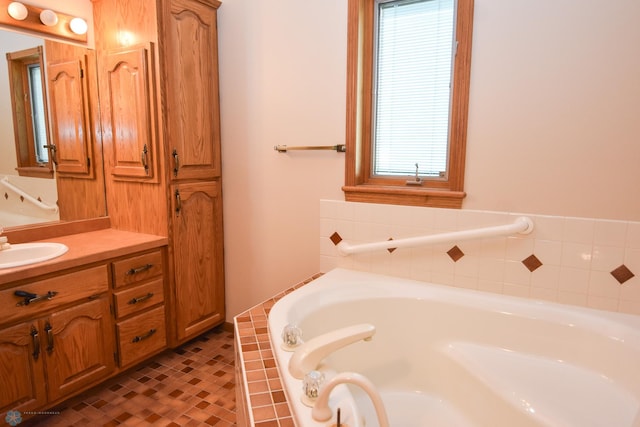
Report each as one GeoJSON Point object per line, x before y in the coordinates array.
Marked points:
{"type": "Point", "coordinates": [360, 186]}
{"type": "Point", "coordinates": [18, 62]}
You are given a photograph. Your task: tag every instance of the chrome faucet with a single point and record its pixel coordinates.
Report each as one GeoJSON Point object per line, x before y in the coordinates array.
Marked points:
{"type": "Point", "coordinates": [308, 356]}
{"type": "Point", "coordinates": [321, 410]}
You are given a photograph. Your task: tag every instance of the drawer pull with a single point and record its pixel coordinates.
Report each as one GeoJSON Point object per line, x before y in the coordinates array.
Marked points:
{"type": "Point", "coordinates": [29, 297]}
{"type": "Point", "coordinates": [139, 269]}
{"type": "Point", "coordinates": [36, 343]}
{"type": "Point", "coordinates": [140, 299]}
{"type": "Point", "coordinates": [139, 338]}
{"type": "Point", "coordinates": [49, 330]}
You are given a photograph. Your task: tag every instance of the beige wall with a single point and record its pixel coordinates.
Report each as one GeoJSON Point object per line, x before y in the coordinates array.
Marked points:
{"type": "Point", "coordinates": [554, 122]}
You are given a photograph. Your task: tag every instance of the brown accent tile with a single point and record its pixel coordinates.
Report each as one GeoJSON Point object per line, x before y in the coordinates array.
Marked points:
{"type": "Point", "coordinates": [622, 274]}
{"type": "Point", "coordinates": [335, 238]}
{"type": "Point", "coordinates": [532, 263]}
{"type": "Point", "coordinates": [278, 396]}
{"type": "Point", "coordinates": [455, 253]}
{"type": "Point", "coordinates": [391, 250]}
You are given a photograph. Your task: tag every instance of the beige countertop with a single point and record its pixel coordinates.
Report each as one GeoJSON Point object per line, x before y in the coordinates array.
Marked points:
{"type": "Point", "coordinates": [85, 248]}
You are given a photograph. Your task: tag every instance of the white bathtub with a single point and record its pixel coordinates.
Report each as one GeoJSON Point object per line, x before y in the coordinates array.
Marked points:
{"type": "Point", "coordinates": [443, 356]}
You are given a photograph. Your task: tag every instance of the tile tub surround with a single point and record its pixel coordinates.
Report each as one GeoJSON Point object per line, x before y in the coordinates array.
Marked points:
{"type": "Point", "coordinates": [260, 396]}
{"type": "Point", "coordinates": [579, 261]}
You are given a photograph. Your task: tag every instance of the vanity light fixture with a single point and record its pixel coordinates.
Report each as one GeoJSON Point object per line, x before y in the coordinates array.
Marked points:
{"type": "Point", "coordinates": [48, 17]}
{"type": "Point", "coordinates": [17, 11]}
{"type": "Point", "coordinates": [78, 26]}
{"type": "Point", "coordinates": [21, 14]}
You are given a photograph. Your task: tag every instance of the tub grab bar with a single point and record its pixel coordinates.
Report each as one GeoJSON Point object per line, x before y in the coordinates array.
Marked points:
{"type": "Point", "coordinates": [33, 200]}
{"type": "Point", "coordinates": [522, 225]}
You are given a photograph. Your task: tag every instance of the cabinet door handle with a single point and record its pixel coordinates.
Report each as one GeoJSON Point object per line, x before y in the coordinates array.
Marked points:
{"type": "Point", "coordinates": [178, 202]}
{"type": "Point", "coordinates": [36, 343]}
{"type": "Point", "coordinates": [29, 297]}
{"type": "Point", "coordinates": [176, 162]}
{"type": "Point", "coordinates": [139, 338]}
{"type": "Point", "coordinates": [139, 269]}
{"type": "Point", "coordinates": [140, 299]}
{"type": "Point", "coordinates": [144, 159]}
{"type": "Point", "coordinates": [49, 330]}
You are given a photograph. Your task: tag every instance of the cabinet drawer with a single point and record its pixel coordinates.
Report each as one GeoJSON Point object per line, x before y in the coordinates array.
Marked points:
{"type": "Point", "coordinates": [137, 268]}
{"type": "Point", "coordinates": [141, 335]}
{"type": "Point", "coordinates": [138, 298]}
{"type": "Point", "coordinates": [70, 287]}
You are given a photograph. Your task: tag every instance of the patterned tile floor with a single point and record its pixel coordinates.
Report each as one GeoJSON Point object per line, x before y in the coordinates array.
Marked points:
{"type": "Point", "coordinates": [192, 385]}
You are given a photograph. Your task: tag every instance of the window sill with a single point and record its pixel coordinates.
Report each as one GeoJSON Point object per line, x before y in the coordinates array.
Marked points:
{"type": "Point", "coordinates": [35, 172]}
{"type": "Point", "coordinates": [404, 196]}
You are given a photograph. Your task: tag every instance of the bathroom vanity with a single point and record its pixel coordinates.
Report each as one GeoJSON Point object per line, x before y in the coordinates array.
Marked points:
{"type": "Point", "coordinates": [102, 310]}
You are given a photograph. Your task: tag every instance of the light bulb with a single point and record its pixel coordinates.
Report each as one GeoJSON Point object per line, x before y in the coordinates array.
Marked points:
{"type": "Point", "coordinates": [17, 11]}
{"type": "Point", "coordinates": [78, 25]}
{"type": "Point", "coordinates": [48, 17]}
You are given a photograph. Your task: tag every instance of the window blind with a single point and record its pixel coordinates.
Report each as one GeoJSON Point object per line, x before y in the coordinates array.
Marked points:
{"type": "Point", "coordinates": [413, 87]}
{"type": "Point", "coordinates": [37, 110]}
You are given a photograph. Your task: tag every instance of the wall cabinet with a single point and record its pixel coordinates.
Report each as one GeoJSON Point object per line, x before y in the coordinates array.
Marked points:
{"type": "Point", "coordinates": [69, 107]}
{"type": "Point", "coordinates": [190, 80]}
{"type": "Point", "coordinates": [131, 113]}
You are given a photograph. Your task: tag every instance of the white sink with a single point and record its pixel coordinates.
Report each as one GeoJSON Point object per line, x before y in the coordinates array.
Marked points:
{"type": "Point", "coordinates": [30, 253]}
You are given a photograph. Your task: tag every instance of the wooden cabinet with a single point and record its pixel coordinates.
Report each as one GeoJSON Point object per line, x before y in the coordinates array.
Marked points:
{"type": "Point", "coordinates": [190, 80]}
{"type": "Point", "coordinates": [139, 307]}
{"type": "Point", "coordinates": [185, 203]}
{"type": "Point", "coordinates": [78, 347]}
{"type": "Point", "coordinates": [59, 345]}
{"type": "Point", "coordinates": [21, 368]}
{"type": "Point", "coordinates": [131, 114]}
{"type": "Point", "coordinates": [69, 109]}
{"type": "Point", "coordinates": [198, 290]}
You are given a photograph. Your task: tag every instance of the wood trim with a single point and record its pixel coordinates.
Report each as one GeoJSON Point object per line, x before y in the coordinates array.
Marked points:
{"type": "Point", "coordinates": [403, 196]}
{"type": "Point", "coordinates": [359, 183]}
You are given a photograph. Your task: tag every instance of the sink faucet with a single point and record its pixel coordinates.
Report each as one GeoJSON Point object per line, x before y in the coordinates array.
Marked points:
{"type": "Point", "coordinates": [321, 410]}
{"type": "Point", "coordinates": [308, 356]}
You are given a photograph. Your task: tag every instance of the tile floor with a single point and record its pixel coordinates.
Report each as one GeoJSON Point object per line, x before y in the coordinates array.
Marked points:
{"type": "Point", "coordinates": [192, 385]}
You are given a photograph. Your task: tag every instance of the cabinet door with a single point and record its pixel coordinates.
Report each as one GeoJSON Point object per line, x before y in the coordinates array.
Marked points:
{"type": "Point", "coordinates": [69, 109]}
{"type": "Point", "coordinates": [198, 293]}
{"type": "Point", "coordinates": [131, 114]}
{"type": "Point", "coordinates": [79, 347]}
{"type": "Point", "coordinates": [21, 369]}
{"type": "Point", "coordinates": [190, 67]}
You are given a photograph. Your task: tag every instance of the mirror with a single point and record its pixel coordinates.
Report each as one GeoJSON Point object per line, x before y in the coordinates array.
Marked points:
{"type": "Point", "coordinates": [76, 194]}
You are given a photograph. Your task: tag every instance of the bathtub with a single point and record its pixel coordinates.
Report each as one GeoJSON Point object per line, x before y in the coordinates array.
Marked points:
{"type": "Point", "coordinates": [443, 356]}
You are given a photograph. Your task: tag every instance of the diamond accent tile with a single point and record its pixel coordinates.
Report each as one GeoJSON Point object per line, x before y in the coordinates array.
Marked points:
{"type": "Point", "coordinates": [391, 249]}
{"type": "Point", "coordinates": [622, 274]}
{"type": "Point", "coordinates": [335, 238]}
{"type": "Point", "coordinates": [532, 263]}
{"type": "Point", "coordinates": [455, 253]}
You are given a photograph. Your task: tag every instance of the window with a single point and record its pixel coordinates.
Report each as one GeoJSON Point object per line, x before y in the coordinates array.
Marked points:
{"type": "Point", "coordinates": [30, 122]}
{"type": "Point", "coordinates": [407, 93]}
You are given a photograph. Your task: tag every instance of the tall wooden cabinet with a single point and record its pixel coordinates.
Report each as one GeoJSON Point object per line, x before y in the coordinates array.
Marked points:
{"type": "Point", "coordinates": [185, 201]}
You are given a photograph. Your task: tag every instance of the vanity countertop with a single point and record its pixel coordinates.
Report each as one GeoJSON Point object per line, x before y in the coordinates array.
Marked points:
{"type": "Point", "coordinates": [86, 248]}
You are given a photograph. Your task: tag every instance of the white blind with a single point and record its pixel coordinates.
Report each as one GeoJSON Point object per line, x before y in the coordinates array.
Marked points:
{"type": "Point", "coordinates": [413, 87]}
{"type": "Point", "coordinates": [37, 111]}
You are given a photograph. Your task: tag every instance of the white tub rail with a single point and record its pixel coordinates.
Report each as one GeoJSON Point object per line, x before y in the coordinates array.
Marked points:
{"type": "Point", "coordinates": [522, 225]}
{"type": "Point", "coordinates": [33, 200]}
